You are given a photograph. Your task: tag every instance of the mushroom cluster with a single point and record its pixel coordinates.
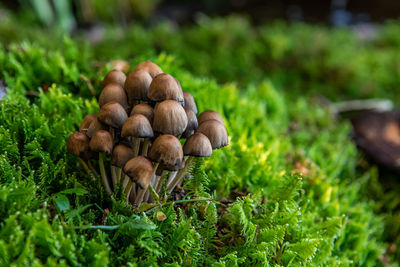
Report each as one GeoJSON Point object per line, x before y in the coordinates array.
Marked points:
{"type": "Point", "coordinates": [141, 119]}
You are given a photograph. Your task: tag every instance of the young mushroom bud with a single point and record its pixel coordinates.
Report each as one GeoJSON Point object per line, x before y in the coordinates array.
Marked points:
{"type": "Point", "coordinates": [114, 76]}
{"type": "Point", "coordinates": [120, 155]}
{"type": "Point", "coordinates": [113, 93]}
{"type": "Point", "coordinates": [209, 115]}
{"type": "Point", "coordinates": [140, 170]}
{"type": "Point", "coordinates": [102, 142]}
{"type": "Point", "coordinates": [189, 102]}
{"type": "Point", "coordinates": [113, 114]}
{"type": "Point", "coordinates": [137, 126]}
{"type": "Point", "coordinates": [87, 120]}
{"type": "Point", "coordinates": [164, 87]}
{"type": "Point", "coordinates": [95, 126]}
{"type": "Point", "coordinates": [137, 85]}
{"type": "Point", "coordinates": [215, 131]}
{"type": "Point", "coordinates": [150, 67]}
{"type": "Point", "coordinates": [192, 123]}
{"type": "Point", "coordinates": [144, 109]}
{"type": "Point", "coordinates": [170, 118]}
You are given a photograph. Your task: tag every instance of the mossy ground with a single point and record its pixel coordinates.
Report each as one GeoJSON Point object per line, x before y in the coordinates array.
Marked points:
{"type": "Point", "coordinates": [290, 190]}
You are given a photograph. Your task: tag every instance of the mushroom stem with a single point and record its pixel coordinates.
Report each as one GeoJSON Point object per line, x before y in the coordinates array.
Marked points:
{"type": "Point", "coordinates": [154, 181]}
{"type": "Point", "coordinates": [140, 195]}
{"type": "Point", "coordinates": [132, 194]}
{"type": "Point", "coordinates": [136, 146]}
{"type": "Point", "coordinates": [179, 177]}
{"type": "Point", "coordinates": [104, 178]}
{"type": "Point", "coordinates": [87, 169]}
{"type": "Point", "coordinates": [119, 175]}
{"type": "Point", "coordinates": [113, 175]}
{"type": "Point", "coordinates": [125, 181]}
{"type": "Point", "coordinates": [92, 168]}
{"type": "Point", "coordinates": [146, 145]}
{"type": "Point", "coordinates": [147, 195]}
{"type": "Point", "coordinates": [160, 181]}
{"type": "Point", "coordinates": [128, 188]}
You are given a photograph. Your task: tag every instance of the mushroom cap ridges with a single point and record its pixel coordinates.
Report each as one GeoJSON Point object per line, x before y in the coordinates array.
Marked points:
{"type": "Point", "coordinates": [113, 93]}
{"type": "Point", "coordinates": [144, 109]}
{"type": "Point", "coordinates": [114, 76]}
{"type": "Point", "coordinates": [197, 145]}
{"type": "Point", "coordinates": [102, 141]}
{"type": "Point", "coordinates": [87, 120]}
{"type": "Point", "coordinates": [137, 85]}
{"type": "Point", "coordinates": [95, 126]}
{"type": "Point", "coordinates": [170, 118]}
{"type": "Point", "coordinates": [152, 68]}
{"type": "Point", "coordinates": [138, 126]}
{"type": "Point", "coordinates": [209, 115]}
{"type": "Point", "coordinates": [189, 102]}
{"type": "Point", "coordinates": [78, 144]}
{"type": "Point", "coordinates": [192, 123]}
{"type": "Point", "coordinates": [140, 169]}
{"type": "Point", "coordinates": [121, 154]}
{"type": "Point", "coordinates": [167, 150]}
{"type": "Point", "coordinates": [164, 87]}
{"type": "Point", "coordinates": [112, 114]}
{"type": "Point", "coordinates": [215, 131]}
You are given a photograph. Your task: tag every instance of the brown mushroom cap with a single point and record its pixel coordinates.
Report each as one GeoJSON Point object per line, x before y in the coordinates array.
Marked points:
{"type": "Point", "coordinates": [137, 126]}
{"type": "Point", "coordinates": [197, 145]}
{"type": "Point", "coordinates": [87, 120]}
{"type": "Point", "coordinates": [95, 126]}
{"type": "Point", "coordinates": [170, 118]}
{"type": "Point", "coordinates": [112, 114]}
{"type": "Point", "coordinates": [164, 87]}
{"type": "Point", "coordinates": [113, 93]}
{"type": "Point", "coordinates": [114, 76]}
{"type": "Point", "coordinates": [192, 123]}
{"type": "Point", "coordinates": [140, 169]}
{"type": "Point", "coordinates": [144, 109]}
{"type": "Point", "coordinates": [78, 144]}
{"type": "Point", "coordinates": [102, 141]}
{"type": "Point", "coordinates": [167, 150]}
{"type": "Point", "coordinates": [120, 65]}
{"type": "Point", "coordinates": [209, 115]}
{"type": "Point", "coordinates": [215, 131]}
{"type": "Point", "coordinates": [121, 154]}
{"type": "Point", "coordinates": [189, 102]}
{"type": "Point", "coordinates": [150, 67]}
{"type": "Point", "coordinates": [137, 85]}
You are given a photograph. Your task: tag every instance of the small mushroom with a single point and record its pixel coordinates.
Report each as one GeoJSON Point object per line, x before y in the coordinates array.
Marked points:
{"type": "Point", "coordinates": [95, 126]}
{"type": "Point", "coordinates": [114, 76]}
{"type": "Point", "coordinates": [113, 115]}
{"type": "Point", "coordinates": [120, 155]}
{"type": "Point", "coordinates": [141, 171]}
{"type": "Point", "coordinates": [102, 142]}
{"type": "Point", "coordinates": [164, 87]}
{"type": "Point", "coordinates": [192, 123]}
{"type": "Point", "coordinates": [137, 126]}
{"type": "Point", "coordinates": [113, 93]}
{"type": "Point", "coordinates": [189, 102]}
{"type": "Point", "coordinates": [197, 145]}
{"type": "Point", "coordinates": [215, 131]}
{"type": "Point", "coordinates": [144, 109]}
{"type": "Point", "coordinates": [137, 85]}
{"type": "Point", "coordinates": [87, 120]}
{"type": "Point", "coordinates": [170, 118]}
{"type": "Point", "coordinates": [209, 115]}
{"type": "Point", "coordinates": [150, 67]}
{"type": "Point", "coordinates": [120, 65]}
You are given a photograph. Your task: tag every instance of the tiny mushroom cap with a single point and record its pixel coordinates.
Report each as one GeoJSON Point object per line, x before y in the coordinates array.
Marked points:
{"type": "Point", "coordinates": [197, 145]}
{"type": "Point", "coordinates": [87, 120]}
{"type": "Point", "coordinates": [164, 87]}
{"type": "Point", "coordinates": [137, 85]}
{"type": "Point", "coordinates": [114, 76]}
{"type": "Point", "coordinates": [140, 169]}
{"type": "Point", "coordinates": [189, 102]}
{"type": "Point", "coordinates": [95, 126]}
{"type": "Point", "coordinates": [112, 114]}
{"type": "Point", "coordinates": [167, 150]}
{"type": "Point", "coordinates": [121, 154]}
{"type": "Point", "coordinates": [209, 115]}
{"type": "Point", "coordinates": [150, 67]}
{"type": "Point", "coordinates": [113, 93]}
{"type": "Point", "coordinates": [170, 118]}
{"type": "Point", "coordinates": [137, 126]}
{"type": "Point", "coordinates": [144, 109]}
{"type": "Point", "coordinates": [78, 144]}
{"type": "Point", "coordinates": [121, 65]}
{"type": "Point", "coordinates": [216, 133]}
{"type": "Point", "coordinates": [102, 141]}
{"type": "Point", "coordinates": [192, 123]}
